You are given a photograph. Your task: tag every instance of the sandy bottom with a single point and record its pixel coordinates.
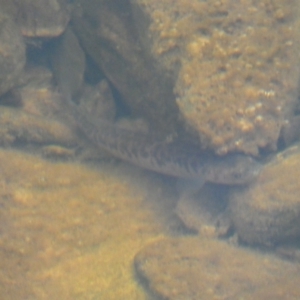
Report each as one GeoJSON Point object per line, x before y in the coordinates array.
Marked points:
{"type": "Point", "coordinates": [70, 231]}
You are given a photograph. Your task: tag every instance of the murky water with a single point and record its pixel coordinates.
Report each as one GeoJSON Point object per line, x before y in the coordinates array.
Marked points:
{"type": "Point", "coordinates": [70, 232]}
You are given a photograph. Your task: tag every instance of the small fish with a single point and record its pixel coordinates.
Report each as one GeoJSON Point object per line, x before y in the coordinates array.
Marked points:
{"type": "Point", "coordinates": [178, 160]}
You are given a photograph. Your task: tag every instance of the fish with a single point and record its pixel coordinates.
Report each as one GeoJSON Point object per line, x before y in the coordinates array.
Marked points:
{"type": "Point", "coordinates": [174, 159]}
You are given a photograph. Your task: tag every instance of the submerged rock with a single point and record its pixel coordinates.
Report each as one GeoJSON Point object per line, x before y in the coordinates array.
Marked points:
{"type": "Point", "coordinates": [107, 33]}
{"type": "Point", "coordinates": [69, 65]}
{"type": "Point", "coordinates": [68, 62]}
{"type": "Point", "coordinates": [12, 53]}
{"type": "Point", "coordinates": [193, 268]}
{"type": "Point", "coordinates": [235, 65]}
{"type": "Point", "coordinates": [268, 212]}
{"type": "Point", "coordinates": [43, 18]}
{"type": "Point", "coordinates": [37, 118]}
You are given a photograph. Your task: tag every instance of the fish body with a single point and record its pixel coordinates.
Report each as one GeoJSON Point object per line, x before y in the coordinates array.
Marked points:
{"type": "Point", "coordinates": [178, 160]}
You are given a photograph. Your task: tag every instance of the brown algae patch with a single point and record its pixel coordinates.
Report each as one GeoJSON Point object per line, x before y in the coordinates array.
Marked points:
{"type": "Point", "coordinates": [68, 232]}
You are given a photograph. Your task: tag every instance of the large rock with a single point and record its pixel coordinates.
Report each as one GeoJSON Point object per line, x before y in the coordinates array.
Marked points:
{"type": "Point", "coordinates": [235, 63]}
{"type": "Point", "coordinates": [193, 268]}
{"type": "Point", "coordinates": [107, 33]}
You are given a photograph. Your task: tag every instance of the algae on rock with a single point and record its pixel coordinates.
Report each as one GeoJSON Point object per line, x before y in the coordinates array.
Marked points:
{"type": "Point", "coordinates": [236, 64]}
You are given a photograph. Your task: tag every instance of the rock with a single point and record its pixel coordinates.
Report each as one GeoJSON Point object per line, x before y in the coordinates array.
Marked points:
{"type": "Point", "coordinates": [38, 118]}
{"type": "Point", "coordinates": [17, 126]}
{"type": "Point", "coordinates": [107, 33]}
{"type": "Point", "coordinates": [68, 63]}
{"type": "Point", "coordinates": [205, 211]}
{"type": "Point", "coordinates": [43, 18]}
{"type": "Point", "coordinates": [12, 53]}
{"type": "Point", "coordinates": [34, 115]}
{"type": "Point", "coordinates": [235, 65]}
{"type": "Point", "coordinates": [268, 211]}
{"type": "Point", "coordinates": [193, 268]}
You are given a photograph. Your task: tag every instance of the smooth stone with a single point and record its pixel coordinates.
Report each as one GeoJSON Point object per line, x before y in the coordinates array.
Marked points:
{"type": "Point", "coordinates": [194, 268]}
{"type": "Point", "coordinates": [268, 211]}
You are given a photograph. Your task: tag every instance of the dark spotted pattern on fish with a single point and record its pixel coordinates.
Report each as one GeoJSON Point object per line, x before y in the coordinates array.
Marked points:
{"type": "Point", "coordinates": [167, 158]}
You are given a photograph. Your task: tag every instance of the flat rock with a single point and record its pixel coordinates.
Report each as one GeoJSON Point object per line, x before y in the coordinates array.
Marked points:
{"type": "Point", "coordinates": [193, 268]}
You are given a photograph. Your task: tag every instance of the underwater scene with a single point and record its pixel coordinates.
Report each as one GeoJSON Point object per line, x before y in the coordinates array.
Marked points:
{"type": "Point", "coordinates": [149, 149]}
